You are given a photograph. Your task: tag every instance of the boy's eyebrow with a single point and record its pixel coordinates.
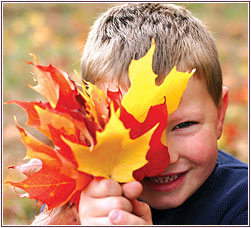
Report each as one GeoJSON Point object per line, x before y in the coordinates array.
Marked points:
{"type": "Point", "coordinates": [187, 114]}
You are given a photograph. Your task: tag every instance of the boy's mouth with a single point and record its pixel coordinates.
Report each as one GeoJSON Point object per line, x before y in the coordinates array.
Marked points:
{"type": "Point", "coordinates": [165, 183]}
{"type": "Point", "coordinates": [165, 179]}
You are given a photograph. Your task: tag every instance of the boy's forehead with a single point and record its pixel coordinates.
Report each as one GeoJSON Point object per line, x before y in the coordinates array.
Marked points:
{"type": "Point", "coordinates": [195, 98]}
{"type": "Point", "coordinates": [196, 88]}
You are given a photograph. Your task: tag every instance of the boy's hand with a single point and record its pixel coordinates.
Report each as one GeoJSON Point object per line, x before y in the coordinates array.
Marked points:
{"type": "Point", "coordinates": [106, 202]}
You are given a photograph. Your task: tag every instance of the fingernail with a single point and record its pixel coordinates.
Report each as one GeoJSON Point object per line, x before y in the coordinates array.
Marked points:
{"type": "Point", "coordinates": [114, 215]}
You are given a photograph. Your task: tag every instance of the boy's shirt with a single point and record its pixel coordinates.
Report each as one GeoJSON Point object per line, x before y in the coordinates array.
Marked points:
{"type": "Point", "coordinates": [221, 200]}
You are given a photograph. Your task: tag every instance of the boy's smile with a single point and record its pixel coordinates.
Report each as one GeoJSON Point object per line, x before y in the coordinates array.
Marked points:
{"type": "Point", "coordinates": [191, 133]}
{"type": "Point", "coordinates": [165, 183]}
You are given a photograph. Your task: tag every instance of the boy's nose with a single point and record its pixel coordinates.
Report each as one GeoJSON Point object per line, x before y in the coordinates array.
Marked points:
{"type": "Point", "coordinates": [173, 152]}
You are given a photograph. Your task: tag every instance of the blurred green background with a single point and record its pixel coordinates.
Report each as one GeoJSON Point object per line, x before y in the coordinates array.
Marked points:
{"type": "Point", "coordinates": [56, 33]}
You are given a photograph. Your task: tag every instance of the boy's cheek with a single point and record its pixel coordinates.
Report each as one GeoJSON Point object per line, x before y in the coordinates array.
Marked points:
{"type": "Point", "coordinates": [204, 151]}
{"type": "Point", "coordinates": [199, 148]}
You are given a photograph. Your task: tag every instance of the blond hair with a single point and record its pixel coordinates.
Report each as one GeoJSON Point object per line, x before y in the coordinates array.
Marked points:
{"type": "Point", "coordinates": [125, 32]}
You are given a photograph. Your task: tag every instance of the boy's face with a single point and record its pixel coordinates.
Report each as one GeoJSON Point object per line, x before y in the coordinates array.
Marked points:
{"type": "Point", "coordinates": [192, 133]}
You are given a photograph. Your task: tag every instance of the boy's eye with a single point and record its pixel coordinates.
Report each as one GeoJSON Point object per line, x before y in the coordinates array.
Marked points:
{"type": "Point", "coordinates": [184, 125]}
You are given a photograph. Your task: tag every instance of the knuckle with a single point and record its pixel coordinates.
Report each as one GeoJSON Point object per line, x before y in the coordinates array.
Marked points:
{"type": "Point", "coordinates": [122, 204]}
{"type": "Point", "coordinates": [118, 202]}
{"type": "Point", "coordinates": [110, 187]}
{"type": "Point", "coordinates": [105, 185]}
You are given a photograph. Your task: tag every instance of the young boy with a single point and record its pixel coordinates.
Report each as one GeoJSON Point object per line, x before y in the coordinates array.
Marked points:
{"type": "Point", "coordinates": [201, 186]}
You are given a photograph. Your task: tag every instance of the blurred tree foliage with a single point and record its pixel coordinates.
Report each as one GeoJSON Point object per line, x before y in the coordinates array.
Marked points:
{"type": "Point", "coordinates": [56, 33]}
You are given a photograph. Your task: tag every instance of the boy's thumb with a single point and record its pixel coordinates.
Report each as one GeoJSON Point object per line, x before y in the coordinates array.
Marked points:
{"type": "Point", "coordinates": [132, 190]}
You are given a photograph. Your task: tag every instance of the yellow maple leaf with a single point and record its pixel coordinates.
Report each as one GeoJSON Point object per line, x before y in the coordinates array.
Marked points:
{"type": "Point", "coordinates": [144, 93]}
{"type": "Point", "coordinates": [115, 155]}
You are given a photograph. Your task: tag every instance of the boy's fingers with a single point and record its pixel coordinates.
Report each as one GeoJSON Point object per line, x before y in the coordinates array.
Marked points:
{"type": "Point", "coordinates": [89, 207]}
{"type": "Point", "coordinates": [103, 188]}
{"type": "Point", "coordinates": [119, 217]}
{"type": "Point", "coordinates": [132, 190]}
{"type": "Point", "coordinates": [142, 210]}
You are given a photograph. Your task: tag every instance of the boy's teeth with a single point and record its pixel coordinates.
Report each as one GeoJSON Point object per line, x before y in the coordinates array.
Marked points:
{"type": "Point", "coordinates": [164, 180]}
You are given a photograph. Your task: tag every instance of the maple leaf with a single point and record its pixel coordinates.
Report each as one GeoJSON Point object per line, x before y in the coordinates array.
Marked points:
{"type": "Point", "coordinates": [33, 117]}
{"type": "Point", "coordinates": [34, 147]}
{"type": "Point", "coordinates": [115, 97]}
{"type": "Point", "coordinates": [157, 156]}
{"type": "Point", "coordinates": [48, 185]}
{"type": "Point", "coordinates": [56, 174]}
{"type": "Point", "coordinates": [125, 155]}
{"type": "Point", "coordinates": [55, 86]}
{"type": "Point", "coordinates": [87, 127]}
{"type": "Point", "coordinates": [46, 86]}
{"type": "Point", "coordinates": [96, 104]}
{"type": "Point", "coordinates": [54, 119]}
{"type": "Point", "coordinates": [41, 115]}
{"type": "Point", "coordinates": [144, 93]}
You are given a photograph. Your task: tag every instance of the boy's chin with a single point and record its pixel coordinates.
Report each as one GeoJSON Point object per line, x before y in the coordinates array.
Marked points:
{"type": "Point", "coordinates": [162, 202]}
{"type": "Point", "coordinates": [164, 195]}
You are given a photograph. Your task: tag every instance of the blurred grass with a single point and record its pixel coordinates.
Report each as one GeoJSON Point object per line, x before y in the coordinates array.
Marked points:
{"type": "Point", "coordinates": [56, 33]}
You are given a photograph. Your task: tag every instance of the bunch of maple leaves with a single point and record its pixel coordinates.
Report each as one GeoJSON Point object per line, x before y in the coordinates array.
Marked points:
{"type": "Point", "coordinates": [95, 135]}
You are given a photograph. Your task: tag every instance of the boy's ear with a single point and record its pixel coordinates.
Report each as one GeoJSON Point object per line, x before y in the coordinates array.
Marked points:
{"type": "Point", "coordinates": [222, 111]}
